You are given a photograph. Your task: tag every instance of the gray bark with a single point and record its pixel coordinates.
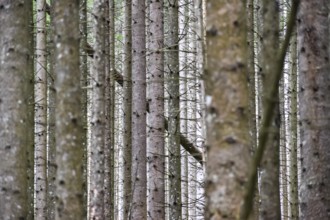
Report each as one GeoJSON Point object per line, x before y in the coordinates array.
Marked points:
{"type": "Point", "coordinates": [68, 127]}
{"type": "Point", "coordinates": [293, 193]}
{"type": "Point", "coordinates": [172, 72]}
{"type": "Point", "coordinates": [269, 170]}
{"type": "Point", "coordinates": [127, 107]}
{"type": "Point", "coordinates": [30, 121]}
{"type": "Point", "coordinates": [192, 107]}
{"type": "Point", "coordinates": [108, 120]}
{"type": "Point", "coordinates": [283, 153]}
{"type": "Point", "coordinates": [40, 94]}
{"type": "Point", "coordinates": [184, 66]}
{"type": "Point", "coordinates": [84, 96]}
{"type": "Point", "coordinates": [156, 127]}
{"type": "Point", "coordinates": [15, 91]}
{"type": "Point", "coordinates": [51, 145]}
{"type": "Point", "coordinates": [109, 160]}
{"type": "Point", "coordinates": [227, 114]}
{"type": "Point", "coordinates": [139, 176]}
{"type": "Point", "coordinates": [112, 104]}
{"type": "Point", "coordinates": [96, 180]}
{"type": "Point", "coordinates": [314, 108]}
{"type": "Point", "coordinates": [252, 85]}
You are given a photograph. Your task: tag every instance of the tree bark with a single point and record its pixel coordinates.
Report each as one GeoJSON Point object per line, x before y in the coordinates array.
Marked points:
{"type": "Point", "coordinates": [84, 97]}
{"type": "Point", "coordinates": [112, 105]}
{"type": "Point", "coordinates": [172, 81]}
{"type": "Point", "coordinates": [108, 120]}
{"type": "Point", "coordinates": [156, 127]}
{"type": "Point", "coordinates": [227, 113]}
{"type": "Point", "coordinates": [314, 108]}
{"type": "Point", "coordinates": [68, 127]}
{"type": "Point", "coordinates": [269, 170]}
{"type": "Point", "coordinates": [51, 143]}
{"type": "Point", "coordinates": [184, 26]}
{"type": "Point", "coordinates": [15, 91]}
{"type": "Point", "coordinates": [127, 107]}
{"type": "Point", "coordinates": [139, 176]}
{"type": "Point", "coordinates": [252, 28]}
{"type": "Point", "coordinates": [40, 93]}
{"type": "Point", "coordinates": [98, 119]}
{"type": "Point", "coordinates": [293, 183]}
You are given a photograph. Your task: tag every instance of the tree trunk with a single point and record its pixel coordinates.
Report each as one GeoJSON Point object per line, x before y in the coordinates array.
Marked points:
{"type": "Point", "coordinates": [139, 176]}
{"type": "Point", "coordinates": [227, 114]}
{"type": "Point", "coordinates": [293, 193]}
{"type": "Point", "coordinates": [84, 96]}
{"type": "Point", "coordinates": [314, 108]}
{"type": "Point", "coordinates": [283, 152]}
{"type": "Point", "coordinates": [30, 121]}
{"type": "Point", "coordinates": [112, 104]}
{"type": "Point", "coordinates": [252, 85]}
{"type": "Point", "coordinates": [40, 94]}
{"type": "Point", "coordinates": [269, 169]}
{"type": "Point", "coordinates": [184, 67]}
{"type": "Point", "coordinates": [192, 109]}
{"type": "Point", "coordinates": [127, 107]}
{"type": "Point", "coordinates": [68, 127]}
{"type": "Point", "coordinates": [156, 127]}
{"type": "Point", "coordinates": [172, 72]}
{"type": "Point", "coordinates": [15, 91]}
{"type": "Point", "coordinates": [108, 120]}
{"type": "Point", "coordinates": [98, 119]}
{"type": "Point", "coordinates": [51, 145]}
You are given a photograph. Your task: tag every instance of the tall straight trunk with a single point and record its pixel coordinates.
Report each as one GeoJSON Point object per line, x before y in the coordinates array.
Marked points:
{"type": "Point", "coordinates": [259, 87]}
{"type": "Point", "coordinates": [184, 67]}
{"type": "Point", "coordinates": [107, 128]}
{"type": "Point", "coordinates": [40, 93]}
{"type": "Point", "coordinates": [227, 113]}
{"type": "Point", "coordinates": [139, 176]}
{"type": "Point", "coordinates": [283, 163]}
{"type": "Point", "coordinates": [314, 108]}
{"type": "Point", "coordinates": [51, 145]}
{"type": "Point", "coordinates": [68, 127]}
{"type": "Point", "coordinates": [156, 127]}
{"type": "Point", "coordinates": [173, 82]}
{"type": "Point", "coordinates": [293, 193]}
{"type": "Point", "coordinates": [251, 73]}
{"type": "Point", "coordinates": [112, 104]}
{"type": "Point", "coordinates": [96, 180]}
{"type": "Point", "coordinates": [269, 169]}
{"type": "Point", "coordinates": [198, 29]}
{"type": "Point", "coordinates": [84, 96]}
{"type": "Point", "coordinates": [30, 121]}
{"type": "Point", "coordinates": [127, 107]}
{"type": "Point", "coordinates": [285, 124]}
{"type": "Point", "coordinates": [252, 84]}
{"type": "Point", "coordinates": [15, 91]}
{"type": "Point", "coordinates": [192, 110]}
